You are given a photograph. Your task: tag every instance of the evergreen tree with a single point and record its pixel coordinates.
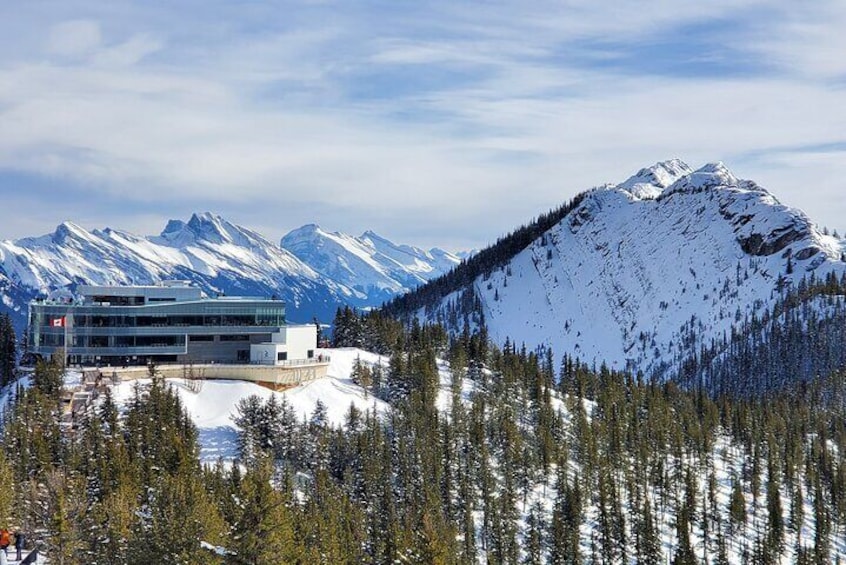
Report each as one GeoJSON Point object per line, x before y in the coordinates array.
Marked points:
{"type": "Point", "coordinates": [8, 350]}
{"type": "Point", "coordinates": [63, 509]}
{"type": "Point", "coordinates": [264, 531]}
{"type": "Point", "coordinates": [775, 520]}
{"type": "Point", "coordinates": [737, 505]}
{"type": "Point", "coordinates": [8, 489]}
{"type": "Point", "coordinates": [533, 539]}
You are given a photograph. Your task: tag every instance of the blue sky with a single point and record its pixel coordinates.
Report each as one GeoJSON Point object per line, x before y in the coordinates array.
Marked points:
{"type": "Point", "coordinates": [433, 123]}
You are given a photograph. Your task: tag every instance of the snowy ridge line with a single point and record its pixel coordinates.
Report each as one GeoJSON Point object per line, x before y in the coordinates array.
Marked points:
{"type": "Point", "coordinates": [639, 274]}
{"type": "Point", "coordinates": [220, 257]}
{"type": "Point", "coordinates": [368, 263]}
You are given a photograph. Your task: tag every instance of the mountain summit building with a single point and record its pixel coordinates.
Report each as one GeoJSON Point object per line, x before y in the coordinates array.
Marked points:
{"type": "Point", "coordinates": [173, 322]}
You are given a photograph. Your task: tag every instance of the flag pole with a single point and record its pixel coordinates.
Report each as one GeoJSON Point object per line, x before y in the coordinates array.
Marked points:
{"type": "Point", "coordinates": [67, 349]}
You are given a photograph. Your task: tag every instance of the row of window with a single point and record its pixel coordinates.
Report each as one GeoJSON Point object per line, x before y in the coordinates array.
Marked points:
{"type": "Point", "coordinates": [86, 321]}
{"type": "Point", "coordinates": [95, 341]}
{"type": "Point", "coordinates": [58, 340]}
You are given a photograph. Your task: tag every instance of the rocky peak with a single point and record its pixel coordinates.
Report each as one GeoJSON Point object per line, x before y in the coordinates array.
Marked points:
{"type": "Point", "coordinates": [649, 182]}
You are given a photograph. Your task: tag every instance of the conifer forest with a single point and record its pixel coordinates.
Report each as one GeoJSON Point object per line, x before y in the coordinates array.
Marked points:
{"type": "Point", "coordinates": [533, 460]}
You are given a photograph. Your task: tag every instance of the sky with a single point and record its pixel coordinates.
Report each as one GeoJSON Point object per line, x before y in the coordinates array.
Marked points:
{"type": "Point", "coordinates": [432, 123]}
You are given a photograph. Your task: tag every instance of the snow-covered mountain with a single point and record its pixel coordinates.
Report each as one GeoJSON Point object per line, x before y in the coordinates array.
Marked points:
{"type": "Point", "coordinates": [642, 274]}
{"type": "Point", "coordinates": [219, 256]}
{"type": "Point", "coordinates": [370, 264]}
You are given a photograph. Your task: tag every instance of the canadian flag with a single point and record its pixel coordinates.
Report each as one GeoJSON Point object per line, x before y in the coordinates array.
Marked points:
{"type": "Point", "coordinates": [58, 322]}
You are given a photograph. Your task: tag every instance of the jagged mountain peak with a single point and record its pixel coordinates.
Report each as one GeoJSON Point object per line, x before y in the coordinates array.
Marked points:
{"type": "Point", "coordinates": [314, 234]}
{"type": "Point", "coordinates": [306, 229]}
{"type": "Point", "coordinates": [69, 230]}
{"type": "Point", "coordinates": [370, 262]}
{"type": "Point", "coordinates": [300, 241]}
{"type": "Point", "coordinates": [173, 229]}
{"type": "Point", "coordinates": [709, 176]}
{"type": "Point", "coordinates": [370, 234]}
{"type": "Point", "coordinates": [210, 228]}
{"type": "Point", "coordinates": [675, 176]}
{"type": "Point", "coordinates": [649, 182]}
{"type": "Point", "coordinates": [213, 227]}
{"type": "Point", "coordinates": [384, 245]}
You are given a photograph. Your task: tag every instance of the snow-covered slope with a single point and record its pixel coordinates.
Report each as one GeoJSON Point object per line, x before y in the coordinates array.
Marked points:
{"type": "Point", "coordinates": [213, 406]}
{"type": "Point", "coordinates": [216, 254]}
{"type": "Point", "coordinates": [640, 274]}
{"type": "Point", "coordinates": [369, 263]}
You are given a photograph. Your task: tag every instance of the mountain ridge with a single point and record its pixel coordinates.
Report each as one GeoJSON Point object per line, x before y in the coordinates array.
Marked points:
{"type": "Point", "coordinates": [368, 263]}
{"type": "Point", "coordinates": [639, 275]}
{"type": "Point", "coordinates": [207, 249]}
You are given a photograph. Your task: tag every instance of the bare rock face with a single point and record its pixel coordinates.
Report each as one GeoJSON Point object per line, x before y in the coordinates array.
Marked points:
{"type": "Point", "coordinates": [763, 245]}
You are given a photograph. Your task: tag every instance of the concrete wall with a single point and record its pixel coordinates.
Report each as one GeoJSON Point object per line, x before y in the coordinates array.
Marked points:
{"type": "Point", "coordinates": [300, 340]}
{"type": "Point", "coordinates": [296, 341]}
{"type": "Point", "coordinates": [266, 353]}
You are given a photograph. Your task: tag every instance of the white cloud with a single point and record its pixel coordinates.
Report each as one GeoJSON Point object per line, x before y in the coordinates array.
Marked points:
{"type": "Point", "coordinates": [476, 117]}
{"type": "Point", "coordinates": [129, 52]}
{"type": "Point", "coordinates": [807, 43]}
{"type": "Point", "coordinates": [74, 38]}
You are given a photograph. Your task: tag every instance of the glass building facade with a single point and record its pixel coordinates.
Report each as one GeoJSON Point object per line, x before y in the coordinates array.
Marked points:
{"type": "Point", "coordinates": [136, 325]}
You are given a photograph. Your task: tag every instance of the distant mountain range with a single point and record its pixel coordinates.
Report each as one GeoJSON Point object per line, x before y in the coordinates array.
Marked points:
{"type": "Point", "coordinates": [369, 264]}
{"type": "Point", "coordinates": [671, 269]}
{"type": "Point", "coordinates": [314, 271]}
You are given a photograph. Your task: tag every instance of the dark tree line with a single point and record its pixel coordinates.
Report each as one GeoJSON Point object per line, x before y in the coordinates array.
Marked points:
{"type": "Point", "coordinates": [482, 263]}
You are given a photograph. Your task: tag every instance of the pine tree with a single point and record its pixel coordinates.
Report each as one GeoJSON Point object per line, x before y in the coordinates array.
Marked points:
{"type": "Point", "coordinates": [112, 520]}
{"type": "Point", "coordinates": [8, 350]}
{"type": "Point", "coordinates": [7, 490]}
{"type": "Point", "coordinates": [63, 506]}
{"type": "Point", "coordinates": [180, 515]}
{"type": "Point", "coordinates": [775, 520]}
{"type": "Point", "coordinates": [684, 551]}
{"type": "Point", "coordinates": [533, 539]}
{"type": "Point", "coordinates": [361, 374]}
{"type": "Point", "coordinates": [737, 505]}
{"type": "Point", "coordinates": [264, 531]}
{"type": "Point", "coordinates": [647, 541]}
{"type": "Point", "coordinates": [822, 525]}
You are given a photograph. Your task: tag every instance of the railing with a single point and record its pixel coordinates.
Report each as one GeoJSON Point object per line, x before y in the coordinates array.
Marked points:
{"type": "Point", "coordinates": [318, 360]}
{"type": "Point", "coordinates": [299, 362]}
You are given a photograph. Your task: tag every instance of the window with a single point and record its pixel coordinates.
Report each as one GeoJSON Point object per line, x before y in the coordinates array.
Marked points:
{"type": "Point", "coordinates": [310, 354]}
{"type": "Point", "coordinates": [282, 356]}
{"type": "Point", "coordinates": [202, 338]}
{"type": "Point", "coordinates": [98, 341]}
{"type": "Point", "coordinates": [234, 338]}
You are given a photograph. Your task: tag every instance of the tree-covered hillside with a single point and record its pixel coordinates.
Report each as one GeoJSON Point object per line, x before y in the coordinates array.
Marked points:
{"type": "Point", "coordinates": [526, 459]}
